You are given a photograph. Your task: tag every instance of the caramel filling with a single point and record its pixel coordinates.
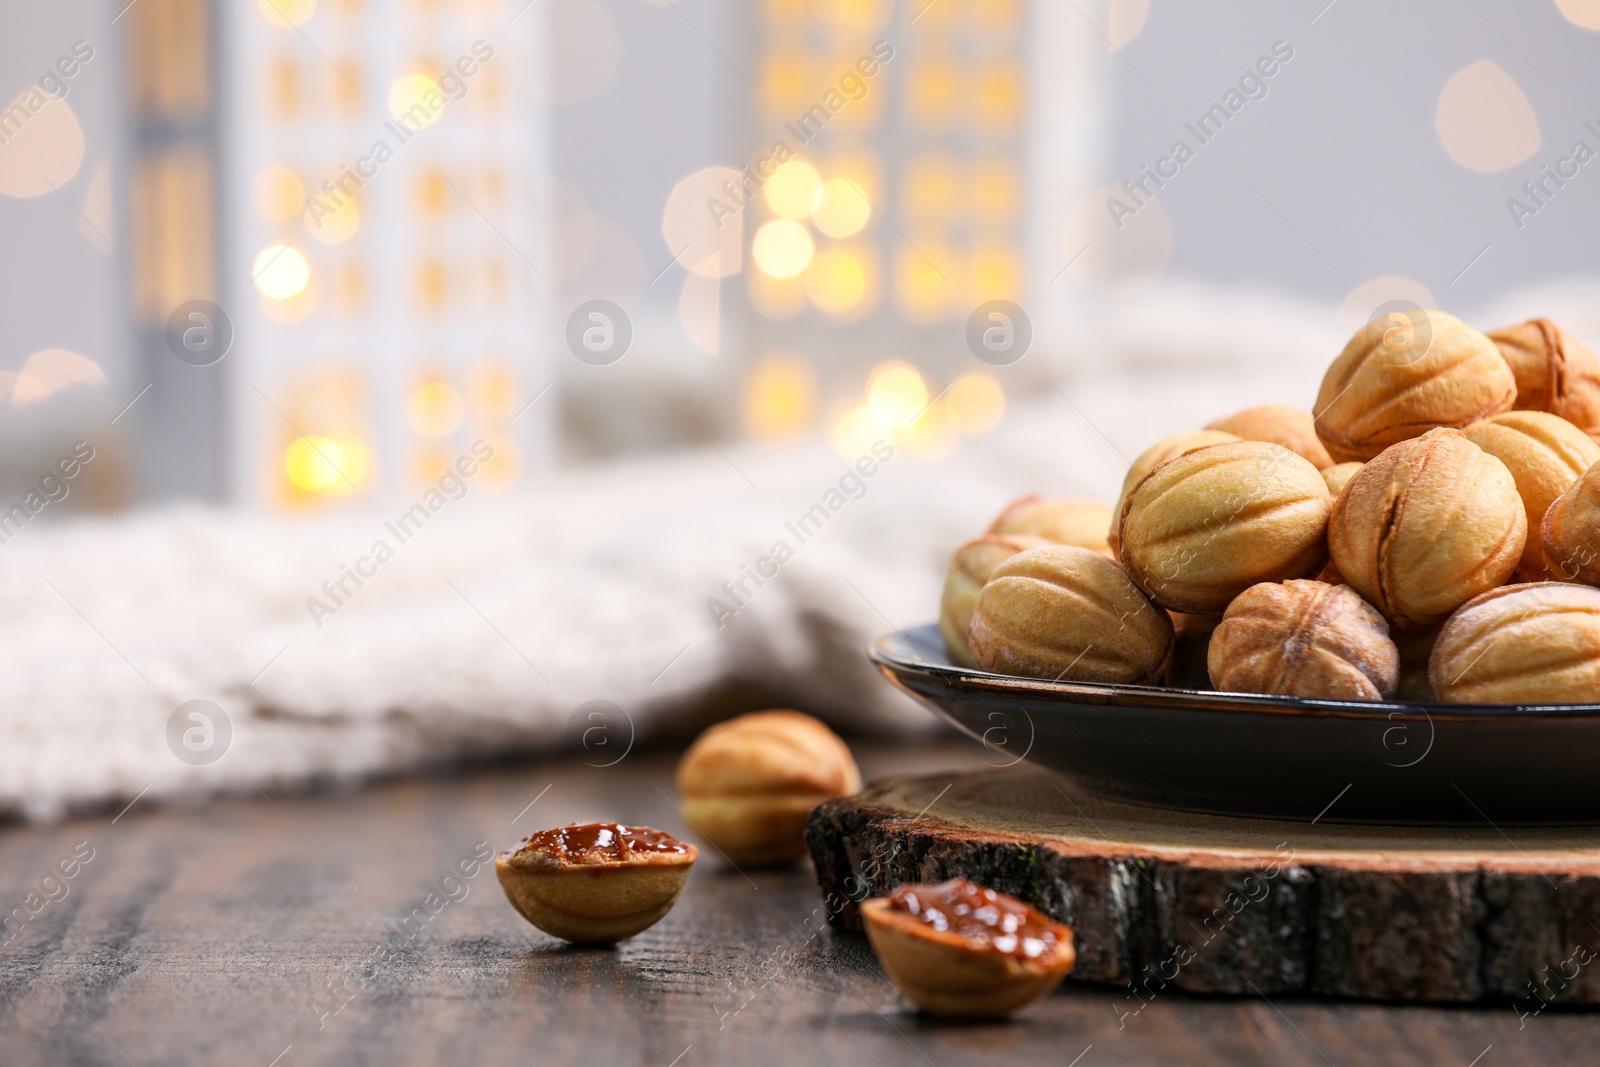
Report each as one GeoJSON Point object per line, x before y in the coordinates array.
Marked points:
{"type": "Point", "coordinates": [600, 842]}
{"type": "Point", "coordinates": [982, 917]}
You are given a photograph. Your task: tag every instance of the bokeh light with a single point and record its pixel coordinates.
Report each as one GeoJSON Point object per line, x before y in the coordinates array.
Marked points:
{"type": "Point", "coordinates": [934, 434]}
{"type": "Point", "coordinates": [994, 273]}
{"type": "Point", "coordinates": [1127, 19]}
{"type": "Point", "coordinates": [327, 466]}
{"type": "Point", "coordinates": [924, 291]}
{"type": "Point", "coordinates": [51, 371]}
{"type": "Point", "coordinates": [705, 241]}
{"type": "Point", "coordinates": [976, 401]}
{"type": "Point", "coordinates": [855, 431]}
{"type": "Point", "coordinates": [785, 84]}
{"type": "Point", "coordinates": [854, 17]}
{"type": "Point", "coordinates": [278, 194]}
{"type": "Point", "coordinates": [844, 208]}
{"type": "Point", "coordinates": [795, 189]}
{"type": "Point", "coordinates": [1365, 299]}
{"type": "Point", "coordinates": [779, 397]}
{"type": "Point", "coordinates": [929, 187]}
{"type": "Point", "coordinates": [782, 248]}
{"type": "Point", "coordinates": [995, 191]}
{"type": "Point", "coordinates": [999, 98]}
{"type": "Point", "coordinates": [409, 92]}
{"type": "Point", "coordinates": [280, 271]}
{"type": "Point", "coordinates": [434, 409]}
{"type": "Point", "coordinates": [777, 298]}
{"type": "Point", "coordinates": [502, 468]}
{"type": "Point", "coordinates": [428, 465]}
{"type": "Point", "coordinates": [43, 145]}
{"type": "Point", "coordinates": [335, 226]}
{"type": "Point", "coordinates": [493, 388]}
{"type": "Point", "coordinates": [288, 12]}
{"type": "Point", "coordinates": [1585, 13]}
{"type": "Point", "coordinates": [836, 281]}
{"type": "Point", "coordinates": [896, 394]}
{"type": "Point", "coordinates": [1484, 119]}
{"type": "Point", "coordinates": [296, 308]}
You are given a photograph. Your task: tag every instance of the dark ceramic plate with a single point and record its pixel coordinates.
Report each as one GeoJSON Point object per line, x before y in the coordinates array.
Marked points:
{"type": "Point", "coordinates": [1282, 757]}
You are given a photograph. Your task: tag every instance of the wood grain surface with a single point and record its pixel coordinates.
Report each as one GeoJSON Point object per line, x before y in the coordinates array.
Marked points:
{"type": "Point", "coordinates": [1210, 904]}
{"type": "Point", "coordinates": [300, 930]}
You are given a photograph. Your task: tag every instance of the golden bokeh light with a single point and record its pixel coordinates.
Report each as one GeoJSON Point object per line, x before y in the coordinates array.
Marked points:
{"type": "Point", "coordinates": [857, 16]}
{"type": "Point", "coordinates": [856, 430]}
{"type": "Point", "coordinates": [327, 466]}
{"type": "Point", "coordinates": [935, 434]}
{"type": "Point", "coordinates": [836, 281]}
{"type": "Point", "coordinates": [923, 291]}
{"type": "Point", "coordinates": [976, 402]}
{"type": "Point", "coordinates": [51, 371]}
{"type": "Point", "coordinates": [795, 189]}
{"type": "Point", "coordinates": [492, 388]}
{"type": "Point", "coordinates": [350, 288]}
{"type": "Point", "coordinates": [42, 147]}
{"type": "Point", "coordinates": [783, 248]}
{"type": "Point", "coordinates": [428, 465]}
{"type": "Point", "coordinates": [410, 101]}
{"type": "Point", "coordinates": [996, 16]}
{"type": "Point", "coordinates": [432, 193]}
{"type": "Point", "coordinates": [288, 13]}
{"type": "Point", "coordinates": [999, 97]}
{"type": "Point", "coordinates": [278, 194]}
{"type": "Point", "coordinates": [431, 283]}
{"type": "Point", "coordinates": [280, 272]}
{"type": "Point", "coordinates": [859, 161]}
{"type": "Point", "coordinates": [284, 88]}
{"type": "Point", "coordinates": [995, 191]}
{"type": "Point", "coordinates": [779, 396]}
{"type": "Point", "coordinates": [502, 467]}
{"type": "Point", "coordinates": [434, 409]}
{"type": "Point", "coordinates": [995, 273]}
{"type": "Point", "coordinates": [295, 309]}
{"type": "Point", "coordinates": [335, 226]}
{"type": "Point", "coordinates": [785, 85]}
{"type": "Point", "coordinates": [896, 394]}
{"type": "Point", "coordinates": [844, 209]}
{"type": "Point", "coordinates": [784, 10]}
{"type": "Point", "coordinates": [930, 187]}
{"type": "Point", "coordinates": [933, 95]}
{"type": "Point", "coordinates": [1484, 119]}
{"type": "Point", "coordinates": [777, 298]}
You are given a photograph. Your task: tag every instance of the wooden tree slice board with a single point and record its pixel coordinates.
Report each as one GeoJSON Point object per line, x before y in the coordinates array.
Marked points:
{"type": "Point", "coordinates": [1213, 904]}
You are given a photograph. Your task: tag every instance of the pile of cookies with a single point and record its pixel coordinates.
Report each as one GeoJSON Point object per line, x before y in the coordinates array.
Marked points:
{"type": "Point", "coordinates": [1431, 532]}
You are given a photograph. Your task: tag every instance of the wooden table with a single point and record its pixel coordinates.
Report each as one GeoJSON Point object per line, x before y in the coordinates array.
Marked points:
{"type": "Point", "coordinates": [218, 936]}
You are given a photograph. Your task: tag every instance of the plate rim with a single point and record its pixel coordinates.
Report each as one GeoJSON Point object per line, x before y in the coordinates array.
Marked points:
{"type": "Point", "coordinates": [886, 652]}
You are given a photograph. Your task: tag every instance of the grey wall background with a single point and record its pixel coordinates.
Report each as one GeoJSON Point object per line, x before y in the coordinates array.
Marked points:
{"type": "Point", "coordinates": [1344, 144]}
{"type": "Point", "coordinates": [57, 289]}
